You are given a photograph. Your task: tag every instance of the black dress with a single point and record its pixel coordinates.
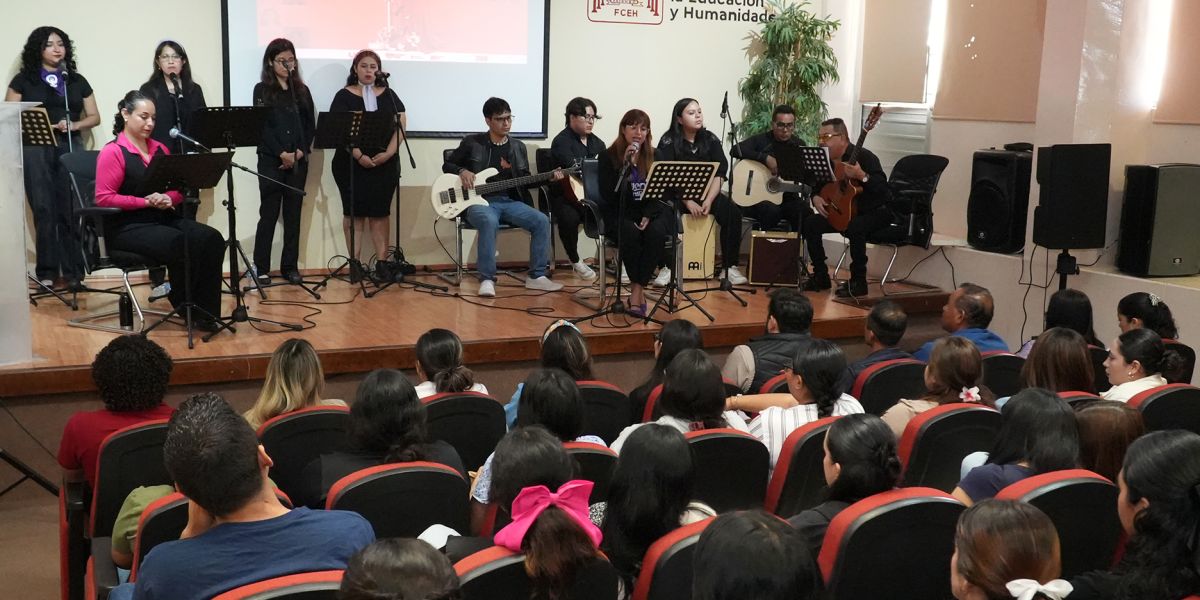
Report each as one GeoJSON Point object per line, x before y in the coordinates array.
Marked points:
{"type": "Point", "coordinates": [191, 100]}
{"type": "Point", "coordinates": [373, 188]}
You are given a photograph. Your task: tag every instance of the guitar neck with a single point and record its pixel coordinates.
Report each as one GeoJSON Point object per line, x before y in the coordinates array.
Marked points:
{"type": "Point", "coordinates": [508, 184]}
{"type": "Point", "coordinates": [862, 137]}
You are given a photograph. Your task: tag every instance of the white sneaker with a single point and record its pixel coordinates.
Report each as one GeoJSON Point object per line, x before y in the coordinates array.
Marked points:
{"type": "Point", "coordinates": [542, 283]}
{"type": "Point", "coordinates": [624, 276]}
{"type": "Point", "coordinates": [663, 279]}
{"type": "Point", "coordinates": [583, 270]}
{"type": "Point", "coordinates": [160, 292]}
{"type": "Point", "coordinates": [487, 288]}
{"type": "Point", "coordinates": [735, 276]}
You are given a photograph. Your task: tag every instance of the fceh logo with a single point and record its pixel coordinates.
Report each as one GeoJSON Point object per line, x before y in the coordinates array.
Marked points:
{"type": "Point", "coordinates": [638, 12]}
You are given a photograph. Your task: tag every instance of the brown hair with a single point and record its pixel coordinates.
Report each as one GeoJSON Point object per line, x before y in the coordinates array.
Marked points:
{"type": "Point", "coordinates": [1106, 429]}
{"type": "Point", "coordinates": [955, 364]}
{"type": "Point", "coordinates": [1060, 362]}
{"type": "Point", "coordinates": [999, 541]}
{"type": "Point", "coordinates": [555, 548]}
{"type": "Point", "coordinates": [645, 155]}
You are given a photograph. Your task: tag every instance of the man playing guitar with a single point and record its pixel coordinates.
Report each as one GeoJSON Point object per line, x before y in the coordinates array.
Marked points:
{"type": "Point", "coordinates": [871, 212]}
{"type": "Point", "coordinates": [570, 147]}
{"type": "Point", "coordinates": [761, 148]}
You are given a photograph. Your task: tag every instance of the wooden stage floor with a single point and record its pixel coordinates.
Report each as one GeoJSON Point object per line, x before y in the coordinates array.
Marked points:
{"type": "Point", "coordinates": [353, 333]}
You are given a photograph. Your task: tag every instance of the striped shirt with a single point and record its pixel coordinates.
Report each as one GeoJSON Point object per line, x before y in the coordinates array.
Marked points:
{"type": "Point", "coordinates": [774, 424]}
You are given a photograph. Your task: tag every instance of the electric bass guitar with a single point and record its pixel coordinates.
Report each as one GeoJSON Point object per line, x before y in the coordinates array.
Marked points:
{"type": "Point", "coordinates": [450, 198]}
{"type": "Point", "coordinates": [754, 183]}
{"type": "Point", "coordinates": [839, 194]}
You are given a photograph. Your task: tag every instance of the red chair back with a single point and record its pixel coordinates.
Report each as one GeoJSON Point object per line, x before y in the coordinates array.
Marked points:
{"type": "Point", "coordinates": [731, 468]}
{"type": "Point", "coordinates": [498, 573]}
{"type": "Point", "coordinates": [129, 457]}
{"type": "Point", "coordinates": [775, 385]}
{"type": "Point", "coordinates": [883, 384]}
{"type": "Point", "coordinates": [471, 422]}
{"type": "Point", "coordinates": [1171, 406]}
{"type": "Point", "coordinates": [651, 412]}
{"type": "Point", "coordinates": [162, 521]}
{"type": "Point", "coordinates": [318, 585]}
{"type": "Point", "coordinates": [1002, 373]}
{"type": "Point", "coordinates": [799, 478]}
{"type": "Point", "coordinates": [297, 438]}
{"type": "Point", "coordinates": [605, 409]}
{"type": "Point", "coordinates": [1099, 355]}
{"type": "Point", "coordinates": [404, 499]}
{"type": "Point", "coordinates": [1184, 373]}
{"type": "Point", "coordinates": [1077, 399]}
{"type": "Point", "coordinates": [596, 464]}
{"type": "Point", "coordinates": [935, 442]}
{"type": "Point", "coordinates": [667, 567]}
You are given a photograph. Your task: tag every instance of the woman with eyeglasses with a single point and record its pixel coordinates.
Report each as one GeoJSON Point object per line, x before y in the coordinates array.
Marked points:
{"type": "Point", "coordinates": [176, 95]}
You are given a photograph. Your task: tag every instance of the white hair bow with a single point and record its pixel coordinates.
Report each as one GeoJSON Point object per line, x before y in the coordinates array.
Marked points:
{"type": "Point", "coordinates": [1027, 589]}
{"type": "Point", "coordinates": [970, 394]}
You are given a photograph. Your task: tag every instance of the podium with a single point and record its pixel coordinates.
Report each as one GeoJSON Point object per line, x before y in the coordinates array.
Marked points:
{"type": "Point", "coordinates": [16, 330]}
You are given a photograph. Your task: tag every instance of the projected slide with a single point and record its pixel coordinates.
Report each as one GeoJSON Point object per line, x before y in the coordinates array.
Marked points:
{"type": "Point", "coordinates": [445, 56]}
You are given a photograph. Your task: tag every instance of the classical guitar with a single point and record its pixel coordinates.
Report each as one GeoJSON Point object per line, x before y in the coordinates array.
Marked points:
{"type": "Point", "coordinates": [572, 189]}
{"type": "Point", "coordinates": [450, 197]}
{"type": "Point", "coordinates": [754, 183]}
{"type": "Point", "coordinates": [840, 193]}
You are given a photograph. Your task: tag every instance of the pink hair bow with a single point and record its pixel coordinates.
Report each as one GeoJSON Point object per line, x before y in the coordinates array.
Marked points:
{"type": "Point", "coordinates": [571, 498]}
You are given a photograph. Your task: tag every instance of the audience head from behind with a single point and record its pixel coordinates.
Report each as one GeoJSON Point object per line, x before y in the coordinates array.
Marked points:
{"type": "Point", "coordinates": [131, 373]}
{"type": "Point", "coordinates": [968, 307]}
{"type": "Point", "coordinates": [1106, 429]}
{"type": "Point", "coordinates": [399, 568]}
{"type": "Point", "coordinates": [886, 324]}
{"type": "Point", "coordinates": [1002, 548]}
{"type": "Point", "coordinates": [860, 458]}
{"type": "Point", "coordinates": [1139, 353]}
{"type": "Point", "coordinates": [675, 336]}
{"type": "Point", "coordinates": [526, 457]}
{"type": "Point", "coordinates": [1037, 429]}
{"type": "Point", "coordinates": [551, 399]}
{"type": "Point", "coordinates": [440, 360]}
{"type": "Point", "coordinates": [1060, 362]}
{"type": "Point", "coordinates": [294, 381]}
{"type": "Point", "coordinates": [1159, 508]}
{"type": "Point", "coordinates": [1071, 309]}
{"type": "Point", "coordinates": [752, 554]}
{"type": "Point", "coordinates": [564, 347]}
{"type": "Point", "coordinates": [955, 373]}
{"type": "Point", "coordinates": [387, 418]}
{"type": "Point", "coordinates": [1145, 310]}
{"type": "Point", "coordinates": [789, 311]}
{"type": "Point", "coordinates": [815, 375]}
{"type": "Point", "coordinates": [693, 390]}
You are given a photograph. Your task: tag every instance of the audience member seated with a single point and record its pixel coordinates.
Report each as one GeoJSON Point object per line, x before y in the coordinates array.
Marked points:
{"type": "Point", "coordinates": [1005, 549]}
{"type": "Point", "coordinates": [526, 456]}
{"type": "Point", "coordinates": [1145, 310]}
{"type": "Point", "coordinates": [675, 336]}
{"type": "Point", "coordinates": [789, 317]}
{"type": "Point", "coordinates": [1037, 435]}
{"type": "Point", "coordinates": [440, 365]}
{"type": "Point", "coordinates": [967, 314]}
{"type": "Point", "coordinates": [131, 375]}
{"type": "Point", "coordinates": [1070, 309]}
{"type": "Point", "coordinates": [399, 569]}
{"type": "Point", "coordinates": [1160, 512]}
{"type": "Point", "coordinates": [294, 381]}
{"type": "Point", "coordinates": [954, 374]}
{"type": "Point", "coordinates": [1106, 429]}
{"type": "Point", "coordinates": [814, 392]}
{"type": "Point", "coordinates": [387, 425]}
{"type": "Point", "coordinates": [237, 531]}
{"type": "Point", "coordinates": [550, 399]}
{"type": "Point", "coordinates": [693, 398]}
{"type": "Point", "coordinates": [860, 461]}
{"type": "Point", "coordinates": [563, 347]}
{"type": "Point", "coordinates": [1136, 361]}
{"type": "Point", "coordinates": [650, 495]}
{"type": "Point", "coordinates": [1059, 362]}
{"type": "Point", "coordinates": [885, 326]}
{"type": "Point", "coordinates": [752, 554]}
{"type": "Point", "coordinates": [125, 527]}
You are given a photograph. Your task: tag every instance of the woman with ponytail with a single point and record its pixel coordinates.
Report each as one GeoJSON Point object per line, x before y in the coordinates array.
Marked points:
{"type": "Point", "coordinates": [954, 374]}
{"type": "Point", "coordinates": [294, 381]}
{"type": "Point", "coordinates": [1137, 361]}
{"type": "Point", "coordinates": [399, 569]}
{"type": "Point", "coordinates": [860, 461]}
{"type": "Point", "coordinates": [440, 365]}
{"type": "Point", "coordinates": [1004, 549]}
{"type": "Point", "coordinates": [387, 425]}
{"type": "Point", "coordinates": [1145, 310]}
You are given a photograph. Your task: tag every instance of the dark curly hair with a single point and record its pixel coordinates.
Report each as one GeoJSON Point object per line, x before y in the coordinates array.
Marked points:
{"type": "Point", "coordinates": [131, 373]}
{"type": "Point", "coordinates": [31, 55]}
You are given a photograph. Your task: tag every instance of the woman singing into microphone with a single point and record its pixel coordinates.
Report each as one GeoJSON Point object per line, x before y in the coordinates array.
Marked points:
{"type": "Point", "coordinates": [287, 140]}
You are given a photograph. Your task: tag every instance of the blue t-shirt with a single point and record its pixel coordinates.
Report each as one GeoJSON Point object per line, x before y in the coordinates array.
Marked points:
{"type": "Point", "coordinates": [231, 555]}
{"type": "Point", "coordinates": [986, 481]}
{"type": "Point", "coordinates": [984, 340]}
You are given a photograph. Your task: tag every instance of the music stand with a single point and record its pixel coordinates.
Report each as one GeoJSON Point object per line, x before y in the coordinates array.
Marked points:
{"type": "Point", "coordinates": [36, 130]}
{"type": "Point", "coordinates": [669, 182]}
{"type": "Point", "coordinates": [349, 130]}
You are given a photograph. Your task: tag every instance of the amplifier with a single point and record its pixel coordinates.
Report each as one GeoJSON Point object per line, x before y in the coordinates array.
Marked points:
{"type": "Point", "coordinates": [775, 258]}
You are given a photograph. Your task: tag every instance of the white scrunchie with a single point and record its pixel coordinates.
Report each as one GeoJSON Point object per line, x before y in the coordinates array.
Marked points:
{"type": "Point", "coordinates": [1027, 589]}
{"type": "Point", "coordinates": [970, 394]}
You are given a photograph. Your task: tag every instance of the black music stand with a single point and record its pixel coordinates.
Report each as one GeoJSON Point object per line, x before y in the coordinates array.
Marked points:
{"type": "Point", "coordinates": [231, 127]}
{"type": "Point", "coordinates": [349, 130]}
{"type": "Point", "coordinates": [27, 473]}
{"type": "Point", "coordinates": [669, 182]}
{"type": "Point", "coordinates": [36, 130]}
{"type": "Point", "coordinates": [175, 172]}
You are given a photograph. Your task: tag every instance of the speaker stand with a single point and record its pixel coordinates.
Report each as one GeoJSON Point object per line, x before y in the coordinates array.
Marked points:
{"type": "Point", "coordinates": [1067, 265]}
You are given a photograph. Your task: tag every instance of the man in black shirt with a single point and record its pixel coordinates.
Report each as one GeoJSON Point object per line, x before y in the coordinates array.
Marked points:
{"type": "Point", "coordinates": [871, 212]}
{"type": "Point", "coordinates": [494, 148]}
{"type": "Point", "coordinates": [761, 148]}
{"type": "Point", "coordinates": [573, 144]}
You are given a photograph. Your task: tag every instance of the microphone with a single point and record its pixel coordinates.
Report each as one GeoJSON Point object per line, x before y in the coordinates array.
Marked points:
{"type": "Point", "coordinates": [178, 86]}
{"type": "Point", "coordinates": [632, 152]}
{"type": "Point", "coordinates": [382, 75]}
{"type": "Point", "coordinates": [725, 105]}
{"type": "Point", "coordinates": [175, 133]}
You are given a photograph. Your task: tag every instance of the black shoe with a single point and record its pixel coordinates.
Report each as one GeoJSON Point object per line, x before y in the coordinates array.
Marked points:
{"type": "Point", "coordinates": [293, 276]}
{"type": "Point", "coordinates": [206, 325]}
{"type": "Point", "coordinates": [264, 279]}
{"type": "Point", "coordinates": [855, 288]}
{"type": "Point", "coordinates": [817, 282]}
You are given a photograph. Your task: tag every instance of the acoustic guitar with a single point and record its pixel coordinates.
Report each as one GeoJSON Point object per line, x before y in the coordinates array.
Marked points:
{"type": "Point", "coordinates": [841, 193]}
{"type": "Point", "coordinates": [754, 183]}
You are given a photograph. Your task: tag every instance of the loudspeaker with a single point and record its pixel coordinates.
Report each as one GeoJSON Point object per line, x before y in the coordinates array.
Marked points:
{"type": "Point", "coordinates": [999, 201]}
{"type": "Point", "coordinates": [775, 258]}
{"type": "Point", "coordinates": [1160, 220]}
{"type": "Point", "coordinates": [1073, 203]}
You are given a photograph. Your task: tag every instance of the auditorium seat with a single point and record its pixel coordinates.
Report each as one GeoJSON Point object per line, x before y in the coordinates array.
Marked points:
{"type": "Point", "coordinates": [1171, 406]}
{"type": "Point", "coordinates": [1099, 355]}
{"type": "Point", "coordinates": [1002, 373]}
{"type": "Point", "coordinates": [775, 385]}
{"type": "Point", "coordinates": [596, 464]}
{"type": "Point", "coordinates": [605, 409]}
{"type": "Point", "coordinates": [294, 439]}
{"type": "Point", "coordinates": [731, 468]}
{"type": "Point", "coordinates": [935, 442]}
{"type": "Point", "coordinates": [798, 482]}
{"type": "Point", "coordinates": [899, 539]}
{"type": "Point", "coordinates": [1078, 399]}
{"type": "Point", "coordinates": [1083, 507]}
{"type": "Point", "coordinates": [471, 422]}
{"type": "Point", "coordinates": [404, 499]}
{"type": "Point", "coordinates": [317, 585]}
{"type": "Point", "coordinates": [1184, 373]}
{"type": "Point", "coordinates": [667, 567]}
{"type": "Point", "coordinates": [498, 573]}
{"type": "Point", "coordinates": [162, 521]}
{"type": "Point", "coordinates": [883, 384]}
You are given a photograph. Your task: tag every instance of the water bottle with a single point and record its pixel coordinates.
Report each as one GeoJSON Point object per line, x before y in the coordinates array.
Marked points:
{"type": "Point", "coordinates": [125, 310]}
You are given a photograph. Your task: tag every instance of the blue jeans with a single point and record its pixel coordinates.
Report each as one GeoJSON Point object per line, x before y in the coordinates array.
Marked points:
{"type": "Point", "coordinates": [504, 209]}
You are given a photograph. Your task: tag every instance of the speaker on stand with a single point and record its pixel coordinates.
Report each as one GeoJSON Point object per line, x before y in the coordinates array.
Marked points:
{"type": "Point", "coordinates": [1073, 201]}
{"type": "Point", "coordinates": [999, 200]}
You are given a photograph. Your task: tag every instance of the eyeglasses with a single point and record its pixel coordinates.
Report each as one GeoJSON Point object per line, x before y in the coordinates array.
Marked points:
{"type": "Point", "coordinates": [590, 118]}
{"type": "Point", "coordinates": [504, 119]}
{"type": "Point", "coordinates": [827, 136]}
{"type": "Point", "coordinates": [169, 57]}
{"type": "Point", "coordinates": [284, 61]}
{"type": "Point", "coordinates": [791, 125]}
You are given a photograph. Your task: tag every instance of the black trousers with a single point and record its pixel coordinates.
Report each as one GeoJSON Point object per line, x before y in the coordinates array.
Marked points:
{"type": "Point", "coordinates": [163, 241]}
{"type": "Point", "coordinates": [729, 217]}
{"type": "Point", "coordinates": [569, 215]}
{"type": "Point", "coordinates": [47, 189]}
{"type": "Point", "coordinates": [643, 249]}
{"type": "Point", "coordinates": [860, 226]}
{"type": "Point", "coordinates": [274, 200]}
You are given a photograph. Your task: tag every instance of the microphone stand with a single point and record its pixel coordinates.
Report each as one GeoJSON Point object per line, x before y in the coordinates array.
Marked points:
{"type": "Point", "coordinates": [67, 104]}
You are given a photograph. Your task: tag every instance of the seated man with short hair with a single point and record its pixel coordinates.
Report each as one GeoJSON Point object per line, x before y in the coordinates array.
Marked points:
{"type": "Point", "coordinates": [967, 314]}
{"type": "Point", "coordinates": [885, 326]}
{"type": "Point", "coordinates": [237, 532]}
{"type": "Point", "coordinates": [789, 316]}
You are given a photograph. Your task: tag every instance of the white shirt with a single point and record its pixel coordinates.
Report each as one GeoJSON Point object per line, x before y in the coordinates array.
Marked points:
{"type": "Point", "coordinates": [1129, 389]}
{"type": "Point", "coordinates": [426, 389]}
{"type": "Point", "coordinates": [732, 420]}
{"type": "Point", "coordinates": [775, 423]}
